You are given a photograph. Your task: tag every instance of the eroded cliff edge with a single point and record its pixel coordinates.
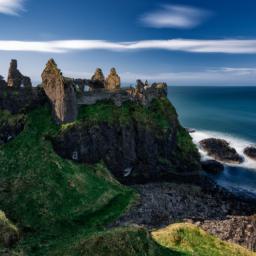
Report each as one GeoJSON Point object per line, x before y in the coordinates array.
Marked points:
{"type": "Point", "coordinates": [137, 143]}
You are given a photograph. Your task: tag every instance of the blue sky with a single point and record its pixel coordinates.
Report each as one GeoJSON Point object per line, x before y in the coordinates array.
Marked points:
{"type": "Point", "coordinates": [183, 42]}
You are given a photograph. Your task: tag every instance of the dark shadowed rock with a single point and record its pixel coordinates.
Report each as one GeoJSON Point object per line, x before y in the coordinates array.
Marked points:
{"type": "Point", "coordinates": [134, 152]}
{"type": "Point", "coordinates": [15, 78]}
{"type": "Point", "coordinates": [26, 82]}
{"type": "Point", "coordinates": [61, 93]}
{"type": "Point", "coordinates": [250, 152]}
{"type": "Point", "coordinates": [212, 166]}
{"type": "Point", "coordinates": [220, 150]}
{"type": "Point", "coordinates": [113, 81]}
{"type": "Point", "coordinates": [2, 82]}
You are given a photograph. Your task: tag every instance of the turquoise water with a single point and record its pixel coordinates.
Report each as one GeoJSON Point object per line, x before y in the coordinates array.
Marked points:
{"type": "Point", "coordinates": [223, 112]}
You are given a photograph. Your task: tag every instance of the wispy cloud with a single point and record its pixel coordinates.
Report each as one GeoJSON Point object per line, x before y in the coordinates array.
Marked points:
{"type": "Point", "coordinates": [175, 16]}
{"type": "Point", "coordinates": [216, 76]}
{"type": "Point", "coordinates": [225, 46]}
{"type": "Point", "coordinates": [11, 7]}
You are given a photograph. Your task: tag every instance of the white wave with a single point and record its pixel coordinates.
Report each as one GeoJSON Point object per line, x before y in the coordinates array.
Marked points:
{"type": "Point", "coordinates": [238, 143]}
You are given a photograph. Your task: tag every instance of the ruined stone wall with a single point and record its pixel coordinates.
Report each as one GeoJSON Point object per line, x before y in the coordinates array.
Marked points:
{"type": "Point", "coordinates": [61, 93]}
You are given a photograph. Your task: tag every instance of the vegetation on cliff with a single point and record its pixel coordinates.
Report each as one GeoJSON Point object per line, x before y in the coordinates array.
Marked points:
{"type": "Point", "coordinates": [63, 208]}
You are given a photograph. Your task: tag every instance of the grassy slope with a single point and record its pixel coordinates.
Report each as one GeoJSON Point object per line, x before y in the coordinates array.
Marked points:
{"type": "Point", "coordinates": [48, 195]}
{"type": "Point", "coordinates": [192, 241]}
{"type": "Point", "coordinates": [62, 207]}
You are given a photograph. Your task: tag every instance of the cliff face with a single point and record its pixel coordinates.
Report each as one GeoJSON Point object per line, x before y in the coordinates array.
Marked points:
{"type": "Point", "coordinates": [137, 144]}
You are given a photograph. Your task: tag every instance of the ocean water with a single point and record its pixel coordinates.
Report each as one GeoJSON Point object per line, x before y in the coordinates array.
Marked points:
{"type": "Point", "coordinates": [222, 112]}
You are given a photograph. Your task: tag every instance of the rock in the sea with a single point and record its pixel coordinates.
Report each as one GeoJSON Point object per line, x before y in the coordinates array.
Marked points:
{"type": "Point", "coordinates": [15, 78]}
{"type": "Point", "coordinates": [212, 166]}
{"type": "Point", "coordinates": [220, 150]}
{"type": "Point", "coordinates": [250, 152]}
{"type": "Point", "coordinates": [113, 81]}
{"type": "Point", "coordinates": [61, 93]}
{"type": "Point", "coordinates": [97, 81]}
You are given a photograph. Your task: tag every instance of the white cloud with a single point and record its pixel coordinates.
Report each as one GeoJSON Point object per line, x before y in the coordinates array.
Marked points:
{"type": "Point", "coordinates": [11, 7]}
{"type": "Point", "coordinates": [218, 76]}
{"type": "Point", "coordinates": [228, 46]}
{"type": "Point", "coordinates": [175, 16]}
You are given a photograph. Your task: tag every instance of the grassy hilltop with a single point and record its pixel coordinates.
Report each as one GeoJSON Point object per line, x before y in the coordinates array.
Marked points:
{"type": "Point", "coordinates": [58, 207]}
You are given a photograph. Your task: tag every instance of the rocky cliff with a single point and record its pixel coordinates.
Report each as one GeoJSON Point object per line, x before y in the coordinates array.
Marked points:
{"type": "Point", "coordinates": [136, 143]}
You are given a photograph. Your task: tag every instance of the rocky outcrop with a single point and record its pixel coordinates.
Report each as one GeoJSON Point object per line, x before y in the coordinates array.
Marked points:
{"type": "Point", "coordinates": [208, 206]}
{"type": "Point", "coordinates": [250, 152]}
{"type": "Point", "coordinates": [220, 150]}
{"type": "Point", "coordinates": [60, 92]}
{"type": "Point", "coordinates": [113, 81]}
{"type": "Point", "coordinates": [136, 151]}
{"type": "Point", "coordinates": [212, 166]}
{"type": "Point", "coordinates": [15, 78]}
{"type": "Point", "coordinates": [3, 84]}
{"type": "Point", "coordinates": [97, 81]}
{"type": "Point", "coordinates": [237, 229]}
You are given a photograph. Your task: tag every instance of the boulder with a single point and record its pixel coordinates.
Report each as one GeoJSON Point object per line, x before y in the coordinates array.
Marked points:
{"type": "Point", "coordinates": [113, 81]}
{"type": "Point", "coordinates": [15, 78]}
{"type": "Point", "coordinates": [250, 152]}
{"type": "Point", "coordinates": [60, 92]}
{"type": "Point", "coordinates": [97, 81]}
{"type": "Point", "coordinates": [220, 150]}
{"type": "Point", "coordinates": [212, 166]}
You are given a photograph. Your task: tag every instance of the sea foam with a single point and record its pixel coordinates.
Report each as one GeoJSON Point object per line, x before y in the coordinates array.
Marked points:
{"type": "Point", "coordinates": [238, 143]}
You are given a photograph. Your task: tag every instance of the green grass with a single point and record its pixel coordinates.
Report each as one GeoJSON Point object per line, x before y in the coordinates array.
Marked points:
{"type": "Point", "coordinates": [159, 116]}
{"type": "Point", "coordinates": [47, 195]}
{"type": "Point", "coordinates": [192, 241]}
{"type": "Point", "coordinates": [62, 208]}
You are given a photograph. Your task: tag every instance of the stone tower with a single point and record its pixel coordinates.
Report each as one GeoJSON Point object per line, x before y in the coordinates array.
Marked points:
{"type": "Point", "coordinates": [60, 92]}
{"type": "Point", "coordinates": [113, 81]}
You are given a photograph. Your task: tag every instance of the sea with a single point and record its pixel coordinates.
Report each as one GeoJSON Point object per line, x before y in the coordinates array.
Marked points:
{"type": "Point", "coordinates": [222, 112]}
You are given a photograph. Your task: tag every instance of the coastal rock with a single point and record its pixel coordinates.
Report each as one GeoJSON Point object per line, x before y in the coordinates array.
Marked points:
{"type": "Point", "coordinates": [208, 206]}
{"type": "Point", "coordinates": [60, 92]}
{"type": "Point", "coordinates": [15, 78]}
{"type": "Point", "coordinates": [220, 150]}
{"type": "Point", "coordinates": [133, 151]}
{"type": "Point", "coordinates": [113, 81]}
{"type": "Point", "coordinates": [236, 229]}
{"type": "Point", "coordinates": [97, 81]}
{"type": "Point", "coordinates": [212, 166]}
{"type": "Point", "coordinates": [250, 152]}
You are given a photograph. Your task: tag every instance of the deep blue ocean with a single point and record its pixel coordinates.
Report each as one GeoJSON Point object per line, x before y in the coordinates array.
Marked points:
{"type": "Point", "coordinates": [222, 112]}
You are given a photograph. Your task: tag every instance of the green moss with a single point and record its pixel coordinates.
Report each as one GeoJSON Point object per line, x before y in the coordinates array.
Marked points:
{"type": "Point", "coordinates": [51, 196]}
{"type": "Point", "coordinates": [192, 241]}
{"type": "Point", "coordinates": [159, 116]}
